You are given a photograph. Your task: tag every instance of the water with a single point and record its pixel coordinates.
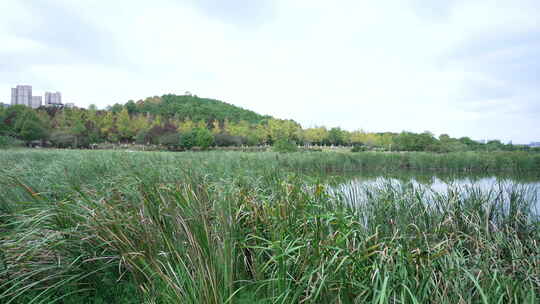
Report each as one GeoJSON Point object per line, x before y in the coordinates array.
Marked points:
{"type": "Point", "coordinates": [428, 186]}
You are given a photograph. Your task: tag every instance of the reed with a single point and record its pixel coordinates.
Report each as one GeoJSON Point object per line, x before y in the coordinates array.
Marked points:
{"type": "Point", "coordinates": [230, 227]}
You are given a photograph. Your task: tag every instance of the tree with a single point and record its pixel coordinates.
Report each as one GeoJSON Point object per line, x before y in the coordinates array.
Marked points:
{"type": "Point", "coordinates": [9, 120]}
{"type": "Point", "coordinates": [227, 127]}
{"type": "Point", "coordinates": [226, 140]}
{"type": "Point", "coordinates": [92, 124]}
{"type": "Point", "coordinates": [285, 145]}
{"type": "Point", "coordinates": [408, 141]}
{"type": "Point", "coordinates": [315, 135]}
{"type": "Point", "coordinates": [197, 109]}
{"type": "Point", "coordinates": [116, 108]}
{"type": "Point", "coordinates": [336, 136]}
{"type": "Point", "coordinates": [283, 129]}
{"type": "Point", "coordinates": [261, 134]}
{"type": "Point", "coordinates": [78, 130]}
{"type": "Point", "coordinates": [124, 125]}
{"type": "Point", "coordinates": [61, 119]}
{"type": "Point", "coordinates": [201, 124]}
{"type": "Point", "coordinates": [444, 138]}
{"type": "Point", "coordinates": [186, 126]}
{"type": "Point", "coordinates": [131, 107]}
{"type": "Point", "coordinates": [241, 128]}
{"type": "Point", "coordinates": [494, 145]}
{"type": "Point", "coordinates": [63, 139]}
{"type": "Point", "coordinates": [204, 138]}
{"type": "Point", "coordinates": [188, 140]}
{"type": "Point", "coordinates": [386, 140]}
{"type": "Point", "coordinates": [215, 127]}
{"type": "Point", "coordinates": [32, 130]}
{"type": "Point", "coordinates": [449, 144]}
{"type": "Point", "coordinates": [106, 125]}
{"type": "Point", "coordinates": [139, 123]}
{"type": "Point", "coordinates": [29, 127]}
{"type": "Point", "coordinates": [157, 122]}
{"type": "Point", "coordinates": [171, 140]}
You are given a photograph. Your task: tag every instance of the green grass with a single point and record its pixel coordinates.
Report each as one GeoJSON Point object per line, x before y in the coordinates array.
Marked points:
{"type": "Point", "coordinates": [230, 227]}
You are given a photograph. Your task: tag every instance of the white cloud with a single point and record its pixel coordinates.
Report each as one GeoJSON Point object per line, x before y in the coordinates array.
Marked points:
{"type": "Point", "coordinates": [385, 66]}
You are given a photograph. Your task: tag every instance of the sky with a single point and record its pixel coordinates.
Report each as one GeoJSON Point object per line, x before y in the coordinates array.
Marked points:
{"type": "Point", "coordinates": [457, 67]}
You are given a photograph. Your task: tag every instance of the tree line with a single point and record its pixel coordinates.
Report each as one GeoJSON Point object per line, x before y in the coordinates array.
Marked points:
{"type": "Point", "coordinates": [184, 122]}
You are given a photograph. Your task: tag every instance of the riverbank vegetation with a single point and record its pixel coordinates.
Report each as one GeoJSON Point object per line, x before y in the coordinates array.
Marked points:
{"type": "Point", "coordinates": [228, 227]}
{"type": "Point", "coordinates": [186, 122]}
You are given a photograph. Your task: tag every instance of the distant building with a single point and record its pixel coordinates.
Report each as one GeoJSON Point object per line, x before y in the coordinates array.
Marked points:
{"type": "Point", "coordinates": [481, 141]}
{"type": "Point", "coordinates": [53, 99]}
{"type": "Point", "coordinates": [36, 102]}
{"type": "Point", "coordinates": [21, 95]}
{"type": "Point", "coordinates": [534, 144]}
{"type": "Point", "coordinates": [70, 105]}
{"type": "Point", "coordinates": [3, 105]}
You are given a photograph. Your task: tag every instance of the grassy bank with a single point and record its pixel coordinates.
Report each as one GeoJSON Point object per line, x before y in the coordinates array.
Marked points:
{"type": "Point", "coordinates": [109, 227]}
{"type": "Point", "coordinates": [227, 161]}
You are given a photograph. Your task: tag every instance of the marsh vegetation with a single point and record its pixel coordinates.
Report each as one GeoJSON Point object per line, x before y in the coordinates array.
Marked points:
{"type": "Point", "coordinates": [231, 227]}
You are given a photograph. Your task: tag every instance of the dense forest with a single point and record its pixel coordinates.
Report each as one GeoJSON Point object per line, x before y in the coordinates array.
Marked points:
{"type": "Point", "coordinates": [189, 107]}
{"type": "Point", "coordinates": [184, 122]}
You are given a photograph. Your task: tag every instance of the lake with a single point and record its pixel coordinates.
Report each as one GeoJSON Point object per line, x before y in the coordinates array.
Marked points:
{"type": "Point", "coordinates": [500, 189]}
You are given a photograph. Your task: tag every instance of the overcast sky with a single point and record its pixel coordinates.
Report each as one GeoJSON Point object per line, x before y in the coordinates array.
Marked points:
{"type": "Point", "coordinates": [466, 68]}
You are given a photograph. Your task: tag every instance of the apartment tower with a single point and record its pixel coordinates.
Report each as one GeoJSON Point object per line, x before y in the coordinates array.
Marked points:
{"type": "Point", "coordinates": [21, 95]}
{"type": "Point", "coordinates": [53, 99]}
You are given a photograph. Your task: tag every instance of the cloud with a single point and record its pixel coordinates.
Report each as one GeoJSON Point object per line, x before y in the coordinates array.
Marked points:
{"type": "Point", "coordinates": [507, 56]}
{"type": "Point", "coordinates": [435, 11]}
{"type": "Point", "coordinates": [59, 33]}
{"type": "Point", "coordinates": [500, 72]}
{"type": "Point", "coordinates": [467, 68]}
{"type": "Point", "coordinates": [242, 13]}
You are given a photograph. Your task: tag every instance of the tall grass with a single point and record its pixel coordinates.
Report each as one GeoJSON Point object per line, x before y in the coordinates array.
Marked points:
{"type": "Point", "coordinates": [108, 227]}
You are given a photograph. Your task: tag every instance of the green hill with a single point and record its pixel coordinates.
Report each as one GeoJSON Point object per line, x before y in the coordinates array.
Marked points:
{"type": "Point", "coordinates": [193, 107]}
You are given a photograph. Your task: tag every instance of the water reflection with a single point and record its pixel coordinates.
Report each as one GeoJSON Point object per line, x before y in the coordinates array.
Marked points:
{"type": "Point", "coordinates": [428, 178]}
{"type": "Point", "coordinates": [428, 186]}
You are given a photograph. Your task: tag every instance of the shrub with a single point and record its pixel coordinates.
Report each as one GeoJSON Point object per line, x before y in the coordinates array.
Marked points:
{"type": "Point", "coordinates": [63, 139]}
{"type": "Point", "coordinates": [226, 140]}
{"type": "Point", "coordinates": [188, 140]}
{"type": "Point", "coordinates": [284, 145]}
{"type": "Point", "coordinates": [359, 148]}
{"type": "Point", "coordinates": [170, 140]}
{"type": "Point", "coordinates": [142, 138]}
{"type": "Point", "coordinates": [8, 141]}
{"type": "Point", "coordinates": [152, 136]}
{"type": "Point", "coordinates": [204, 138]}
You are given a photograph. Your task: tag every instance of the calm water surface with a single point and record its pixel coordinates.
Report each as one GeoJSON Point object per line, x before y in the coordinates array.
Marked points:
{"type": "Point", "coordinates": [496, 186]}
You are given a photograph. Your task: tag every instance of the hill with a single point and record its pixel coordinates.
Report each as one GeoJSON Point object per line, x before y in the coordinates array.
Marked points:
{"type": "Point", "coordinates": [192, 107]}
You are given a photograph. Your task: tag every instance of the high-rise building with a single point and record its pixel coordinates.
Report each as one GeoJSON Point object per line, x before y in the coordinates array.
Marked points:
{"type": "Point", "coordinates": [36, 102]}
{"type": "Point", "coordinates": [53, 99]}
{"type": "Point", "coordinates": [21, 95]}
